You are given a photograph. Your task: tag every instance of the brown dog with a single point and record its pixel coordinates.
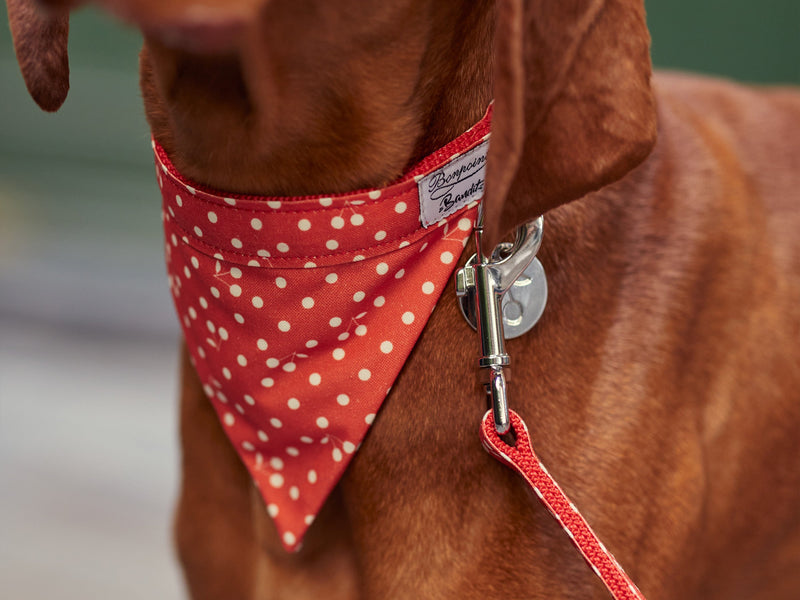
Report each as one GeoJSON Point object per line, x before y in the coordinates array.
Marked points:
{"type": "Point", "coordinates": [662, 383]}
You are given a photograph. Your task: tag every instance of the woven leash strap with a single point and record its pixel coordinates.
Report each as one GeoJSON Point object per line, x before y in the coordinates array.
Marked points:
{"type": "Point", "coordinates": [524, 461]}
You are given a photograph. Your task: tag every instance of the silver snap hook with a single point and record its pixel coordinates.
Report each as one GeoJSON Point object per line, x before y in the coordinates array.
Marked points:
{"type": "Point", "coordinates": [504, 289]}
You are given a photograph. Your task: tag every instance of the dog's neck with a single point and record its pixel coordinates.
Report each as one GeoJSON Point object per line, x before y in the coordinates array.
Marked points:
{"type": "Point", "coordinates": [301, 111]}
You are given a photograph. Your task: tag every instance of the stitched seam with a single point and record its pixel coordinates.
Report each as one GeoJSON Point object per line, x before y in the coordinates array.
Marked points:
{"type": "Point", "coordinates": [195, 240]}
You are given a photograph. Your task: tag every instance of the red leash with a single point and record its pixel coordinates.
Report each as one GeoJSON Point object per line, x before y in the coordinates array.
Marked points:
{"type": "Point", "coordinates": [524, 461]}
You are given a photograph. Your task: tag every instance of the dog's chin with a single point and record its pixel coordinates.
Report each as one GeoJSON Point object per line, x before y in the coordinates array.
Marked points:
{"type": "Point", "coordinates": [199, 37]}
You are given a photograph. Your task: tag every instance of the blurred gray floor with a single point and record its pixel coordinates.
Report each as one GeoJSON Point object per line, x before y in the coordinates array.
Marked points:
{"type": "Point", "coordinates": [88, 345]}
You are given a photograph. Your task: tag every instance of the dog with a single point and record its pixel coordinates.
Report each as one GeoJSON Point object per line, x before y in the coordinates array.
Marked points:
{"type": "Point", "coordinates": [660, 384]}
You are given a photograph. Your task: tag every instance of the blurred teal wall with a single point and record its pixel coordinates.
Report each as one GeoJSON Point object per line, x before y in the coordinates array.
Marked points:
{"type": "Point", "coordinates": [746, 40]}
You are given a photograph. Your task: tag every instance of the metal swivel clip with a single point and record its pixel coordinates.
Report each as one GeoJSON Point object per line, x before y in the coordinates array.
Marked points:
{"type": "Point", "coordinates": [502, 297]}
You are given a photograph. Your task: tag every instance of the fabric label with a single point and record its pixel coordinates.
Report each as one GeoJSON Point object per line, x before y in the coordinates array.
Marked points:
{"type": "Point", "coordinates": [453, 186]}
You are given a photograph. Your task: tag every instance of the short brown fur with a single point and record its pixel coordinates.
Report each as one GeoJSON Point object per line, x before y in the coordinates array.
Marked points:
{"type": "Point", "coordinates": [660, 385]}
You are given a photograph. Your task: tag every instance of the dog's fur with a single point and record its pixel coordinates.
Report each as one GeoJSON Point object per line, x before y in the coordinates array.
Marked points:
{"type": "Point", "coordinates": [661, 386]}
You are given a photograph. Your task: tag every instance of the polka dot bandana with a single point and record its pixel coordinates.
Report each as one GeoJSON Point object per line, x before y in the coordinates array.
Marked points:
{"type": "Point", "coordinates": [299, 314]}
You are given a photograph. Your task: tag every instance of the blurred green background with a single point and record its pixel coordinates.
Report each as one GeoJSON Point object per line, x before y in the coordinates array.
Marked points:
{"type": "Point", "coordinates": [87, 337]}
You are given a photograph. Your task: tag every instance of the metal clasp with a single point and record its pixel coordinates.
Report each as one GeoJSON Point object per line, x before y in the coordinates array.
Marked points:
{"type": "Point", "coordinates": [480, 286]}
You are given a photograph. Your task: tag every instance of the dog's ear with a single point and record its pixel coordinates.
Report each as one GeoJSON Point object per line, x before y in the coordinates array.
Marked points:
{"type": "Point", "coordinates": [573, 104]}
{"type": "Point", "coordinates": [40, 42]}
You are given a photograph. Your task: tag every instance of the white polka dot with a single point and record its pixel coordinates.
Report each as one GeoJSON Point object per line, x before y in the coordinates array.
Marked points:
{"type": "Point", "coordinates": [374, 194]}
{"type": "Point", "coordinates": [464, 224]}
{"type": "Point", "coordinates": [192, 312]}
{"type": "Point", "coordinates": [338, 354]}
{"type": "Point", "coordinates": [403, 244]}
{"type": "Point", "coordinates": [241, 360]}
{"type": "Point", "coordinates": [311, 343]}
{"type": "Point", "coordinates": [263, 253]}
{"type": "Point", "coordinates": [280, 282]}
{"type": "Point", "coordinates": [211, 326]}
{"type": "Point", "coordinates": [343, 399]}
{"type": "Point", "coordinates": [310, 265]}
{"type": "Point", "coordinates": [427, 287]}
{"type": "Point", "coordinates": [308, 302]}
{"type": "Point", "coordinates": [293, 403]}
{"type": "Point", "coordinates": [312, 476]}
{"type": "Point", "coordinates": [348, 447]}
{"type": "Point", "coordinates": [357, 220]}
{"type": "Point", "coordinates": [335, 322]}
{"type": "Point", "coordinates": [187, 272]}
{"type": "Point", "coordinates": [249, 399]}
{"type": "Point", "coordinates": [273, 362]}
{"type": "Point", "coordinates": [331, 244]}
{"type": "Point", "coordinates": [276, 481]}
{"type": "Point", "coordinates": [361, 330]}
{"type": "Point", "coordinates": [382, 268]}
{"type": "Point", "coordinates": [387, 347]}
{"type": "Point", "coordinates": [446, 257]}
{"type": "Point", "coordinates": [309, 519]}
{"type": "Point", "coordinates": [337, 222]}
{"type": "Point", "coordinates": [284, 326]}
{"type": "Point", "coordinates": [256, 224]}
{"type": "Point", "coordinates": [230, 201]}
{"type": "Point", "coordinates": [322, 422]}
{"type": "Point", "coordinates": [337, 455]}
{"type": "Point", "coordinates": [212, 216]}
{"type": "Point", "coordinates": [400, 207]}
{"type": "Point", "coordinates": [408, 317]}
{"type": "Point", "coordinates": [331, 278]}
{"type": "Point", "coordinates": [214, 292]}
{"type": "Point", "coordinates": [358, 257]}
{"type": "Point", "coordinates": [364, 374]}
{"type": "Point", "coordinates": [369, 418]}
{"type": "Point", "coordinates": [289, 367]}
{"type": "Point", "coordinates": [229, 419]}
{"type": "Point", "coordinates": [399, 274]}
{"type": "Point", "coordinates": [257, 301]}
{"type": "Point", "coordinates": [276, 463]}
{"type": "Point", "coordinates": [262, 436]}
{"type": "Point", "coordinates": [226, 373]}
{"type": "Point", "coordinates": [326, 201]}
{"type": "Point", "coordinates": [223, 333]}
{"type": "Point", "coordinates": [197, 231]}
{"type": "Point", "coordinates": [178, 200]}
{"type": "Point", "coordinates": [248, 446]}
{"type": "Point", "coordinates": [235, 290]}
{"type": "Point", "coordinates": [289, 538]}
{"type": "Point", "coordinates": [315, 379]}
{"type": "Point", "coordinates": [379, 301]}
{"type": "Point", "coordinates": [343, 336]}
{"type": "Point", "coordinates": [294, 493]}
{"type": "Point", "coordinates": [282, 247]}
{"type": "Point", "coordinates": [292, 451]}
{"type": "Point", "coordinates": [358, 296]}
{"type": "Point", "coordinates": [276, 423]}
{"type": "Point", "coordinates": [236, 273]}
{"type": "Point", "coordinates": [239, 318]}
{"type": "Point", "coordinates": [262, 344]}
{"type": "Point", "coordinates": [236, 243]}
{"type": "Point", "coordinates": [195, 262]}
{"type": "Point", "coordinates": [273, 510]}
{"type": "Point", "coordinates": [304, 224]}
{"type": "Point", "coordinates": [306, 440]}
{"type": "Point", "coordinates": [380, 235]}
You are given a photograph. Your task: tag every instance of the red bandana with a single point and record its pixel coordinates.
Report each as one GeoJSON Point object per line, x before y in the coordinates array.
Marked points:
{"type": "Point", "coordinates": [299, 313]}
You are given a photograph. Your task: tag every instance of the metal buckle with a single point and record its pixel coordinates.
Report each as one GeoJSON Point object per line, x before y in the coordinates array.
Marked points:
{"type": "Point", "coordinates": [481, 286]}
